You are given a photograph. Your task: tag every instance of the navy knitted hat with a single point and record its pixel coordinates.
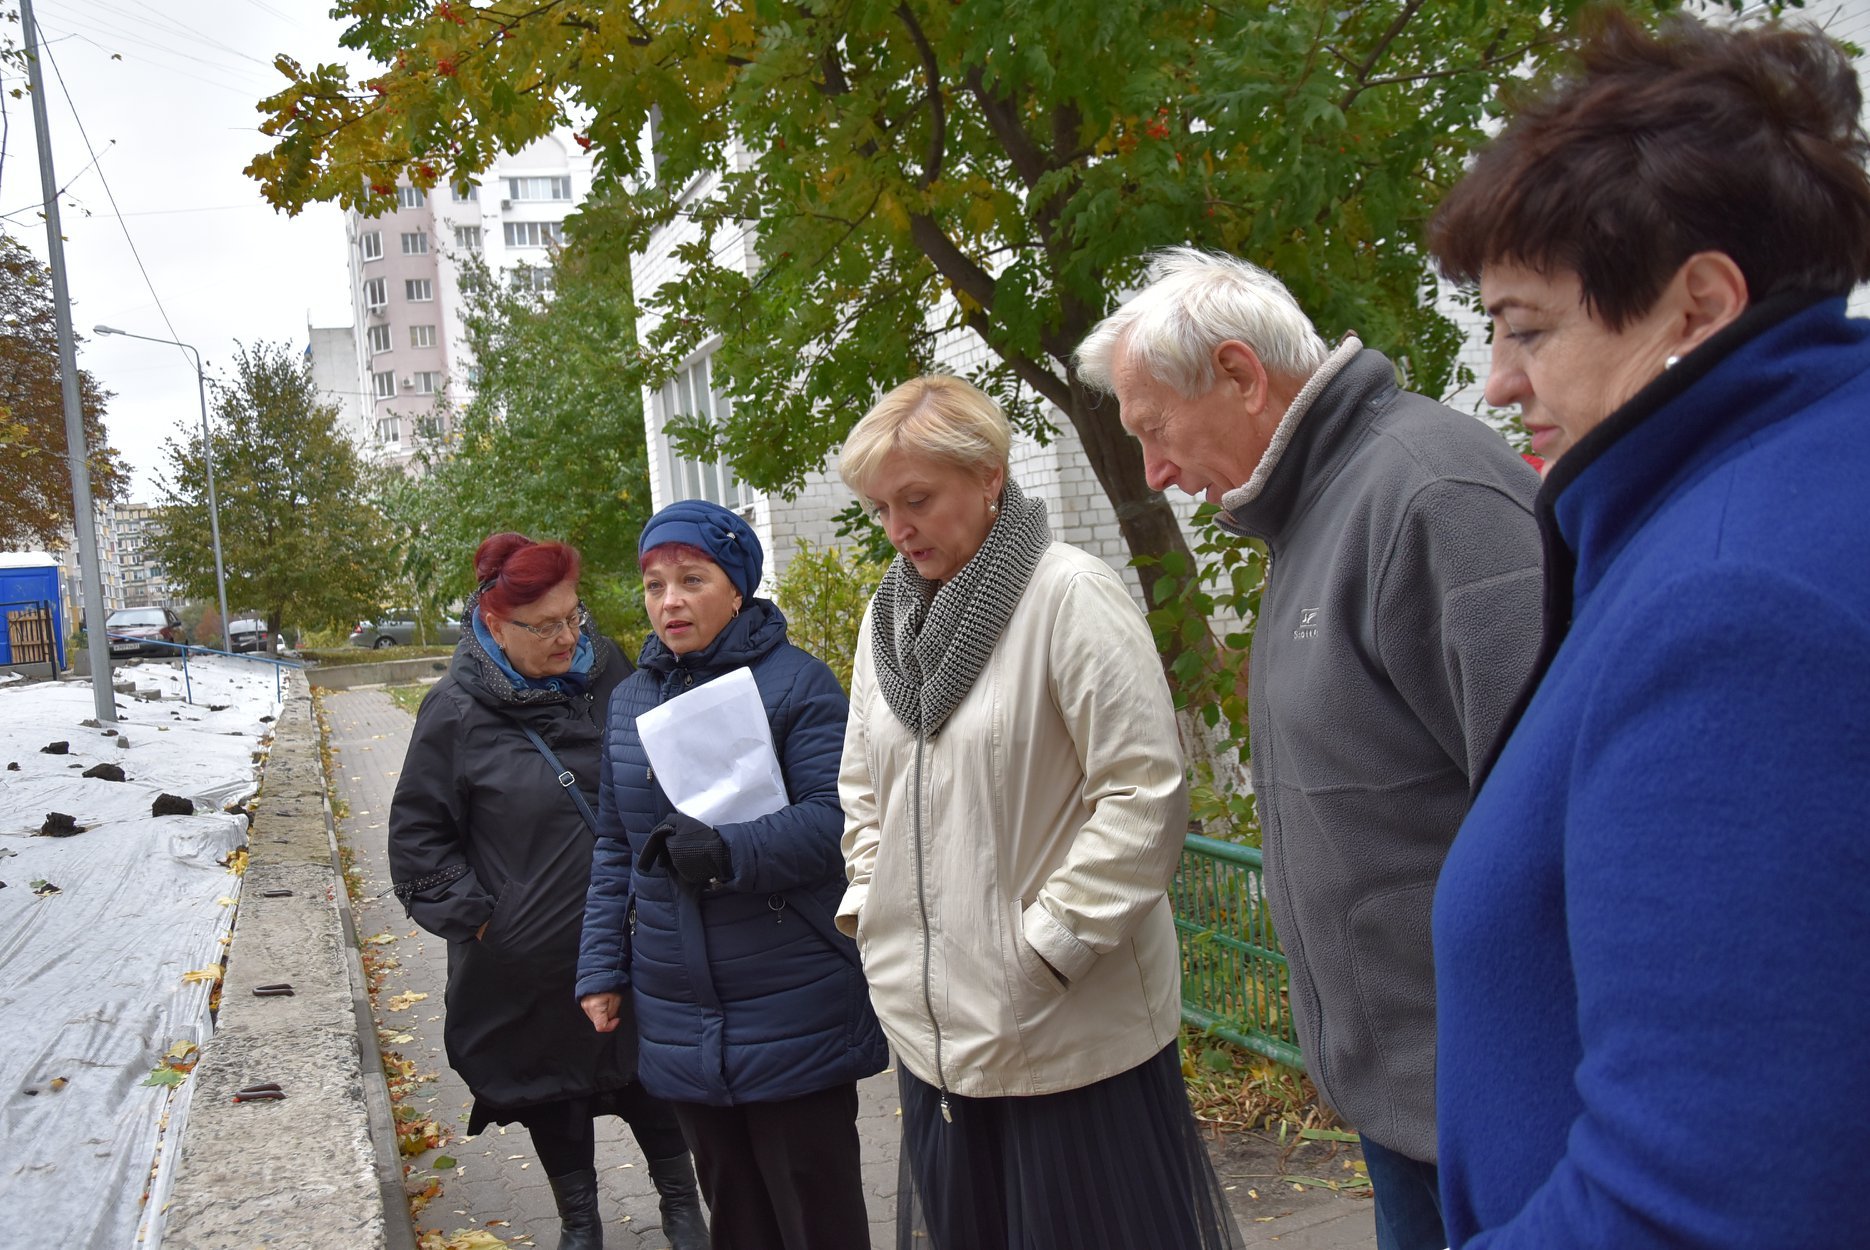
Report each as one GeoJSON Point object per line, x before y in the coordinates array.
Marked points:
{"type": "Point", "coordinates": [715, 530]}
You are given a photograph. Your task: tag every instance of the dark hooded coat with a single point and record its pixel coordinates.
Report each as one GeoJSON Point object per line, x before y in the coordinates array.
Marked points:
{"type": "Point", "coordinates": [482, 832]}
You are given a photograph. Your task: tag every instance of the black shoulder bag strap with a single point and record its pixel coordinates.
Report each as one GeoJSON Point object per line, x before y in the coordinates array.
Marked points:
{"type": "Point", "coordinates": [565, 777]}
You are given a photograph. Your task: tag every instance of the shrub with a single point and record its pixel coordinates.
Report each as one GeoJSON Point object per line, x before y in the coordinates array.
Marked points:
{"type": "Point", "coordinates": [824, 595]}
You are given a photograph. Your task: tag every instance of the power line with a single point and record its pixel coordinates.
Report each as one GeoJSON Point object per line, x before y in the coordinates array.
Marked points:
{"type": "Point", "coordinates": [147, 51]}
{"type": "Point", "coordinates": [171, 25]}
{"type": "Point", "coordinates": [121, 223]}
{"type": "Point", "coordinates": [242, 92]}
{"type": "Point", "coordinates": [109, 30]}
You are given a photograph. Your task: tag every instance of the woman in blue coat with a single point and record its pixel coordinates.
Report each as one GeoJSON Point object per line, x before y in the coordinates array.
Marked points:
{"type": "Point", "coordinates": [752, 1012]}
{"type": "Point", "coordinates": [1651, 940]}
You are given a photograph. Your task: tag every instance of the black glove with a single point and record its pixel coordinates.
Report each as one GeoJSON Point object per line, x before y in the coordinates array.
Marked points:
{"type": "Point", "coordinates": [694, 852]}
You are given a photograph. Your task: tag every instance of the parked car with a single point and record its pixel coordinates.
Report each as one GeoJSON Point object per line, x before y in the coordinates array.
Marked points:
{"type": "Point", "coordinates": [250, 634]}
{"type": "Point", "coordinates": [399, 630]}
{"type": "Point", "coordinates": [142, 631]}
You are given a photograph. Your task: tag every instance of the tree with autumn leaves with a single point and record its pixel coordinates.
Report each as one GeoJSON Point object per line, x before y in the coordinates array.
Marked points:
{"type": "Point", "coordinates": [35, 475]}
{"type": "Point", "coordinates": [920, 169]}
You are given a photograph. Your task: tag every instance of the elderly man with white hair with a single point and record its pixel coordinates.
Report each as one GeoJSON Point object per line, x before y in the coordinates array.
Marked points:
{"type": "Point", "coordinates": [1399, 621]}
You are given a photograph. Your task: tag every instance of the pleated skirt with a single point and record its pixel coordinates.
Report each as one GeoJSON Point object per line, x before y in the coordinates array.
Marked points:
{"type": "Point", "coordinates": [1118, 1165]}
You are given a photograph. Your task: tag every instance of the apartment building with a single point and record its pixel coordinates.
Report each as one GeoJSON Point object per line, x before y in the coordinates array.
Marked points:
{"type": "Point", "coordinates": [412, 368]}
{"type": "Point", "coordinates": [133, 576]}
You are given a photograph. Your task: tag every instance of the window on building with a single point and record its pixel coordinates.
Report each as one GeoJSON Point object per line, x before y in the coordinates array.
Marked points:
{"type": "Point", "coordinates": [415, 243]}
{"type": "Point", "coordinates": [376, 293]}
{"type": "Point", "coordinates": [534, 278]}
{"type": "Point", "coordinates": [691, 393]}
{"type": "Point", "coordinates": [410, 197]}
{"type": "Point", "coordinates": [385, 384]}
{"type": "Point", "coordinates": [542, 188]}
{"type": "Point", "coordinates": [372, 244]}
{"type": "Point", "coordinates": [389, 429]}
{"type": "Point", "coordinates": [465, 192]}
{"type": "Point", "coordinates": [428, 382]}
{"type": "Point", "coordinates": [467, 238]}
{"type": "Point", "coordinates": [534, 233]}
{"type": "Point", "coordinates": [419, 290]}
{"type": "Point", "coordinates": [379, 337]}
{"type": "Point", "coordinates": [421, 336]}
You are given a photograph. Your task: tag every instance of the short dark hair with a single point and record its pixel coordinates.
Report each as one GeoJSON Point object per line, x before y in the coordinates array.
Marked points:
{"type": "Point", "coordinates": [1739, 140]}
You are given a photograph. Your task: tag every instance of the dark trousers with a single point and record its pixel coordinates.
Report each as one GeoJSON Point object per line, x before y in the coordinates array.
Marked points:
{"type": "Point", "coordinates": [781, 1175]}
{"type": "Point", "coordinates": [566, 1138]}
{"type": "Point", "coordinates": [1408, 1200]}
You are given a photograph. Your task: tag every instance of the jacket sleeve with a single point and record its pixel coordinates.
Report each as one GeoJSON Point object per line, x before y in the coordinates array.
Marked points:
{"type": "Point", "coordinates": [428, 832]}
{"type": "Point", "coordinates": [1714, 862]}
{"type": "Point", "coordinates": [857, 791]}
{"type": "Point", "coordinates": [798, 844]}
{"type": "Point", "coordinates": [1107, 682]}
{"type": "Point", "coordinates": [1457, 612]}
{"type": "Point", "coordinates": [604, 945]}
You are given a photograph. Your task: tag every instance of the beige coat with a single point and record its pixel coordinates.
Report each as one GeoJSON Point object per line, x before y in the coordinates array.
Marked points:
{"type": "Point", "coordinates": [1039, 826]}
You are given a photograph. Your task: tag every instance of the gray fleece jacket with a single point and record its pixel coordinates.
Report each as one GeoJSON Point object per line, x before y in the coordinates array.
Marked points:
{"type": "Point", "coordinates": [1399, 621]}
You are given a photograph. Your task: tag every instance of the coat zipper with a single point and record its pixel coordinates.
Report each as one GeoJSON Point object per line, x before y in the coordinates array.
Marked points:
{"type": "Point", "coordinates": [928, 996]}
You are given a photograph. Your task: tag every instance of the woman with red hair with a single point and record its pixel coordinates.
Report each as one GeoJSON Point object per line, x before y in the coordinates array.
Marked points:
{"type": "Point", "coordinates": [490, 848]}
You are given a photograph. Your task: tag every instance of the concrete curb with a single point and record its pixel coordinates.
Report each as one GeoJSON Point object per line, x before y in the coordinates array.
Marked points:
{"type": "Point", "coordinates": [350, 676]}
{"type": "Point", "coordinates": [305, 1170]}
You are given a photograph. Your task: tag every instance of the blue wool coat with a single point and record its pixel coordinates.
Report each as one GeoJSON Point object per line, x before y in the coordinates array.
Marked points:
{"type": "Point", "coordinates": [745, 991]}
{"type": "Point", "coordinates": [1652, 946]}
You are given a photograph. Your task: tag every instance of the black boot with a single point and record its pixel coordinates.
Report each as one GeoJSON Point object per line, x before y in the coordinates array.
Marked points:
{"type": "Point", "coordinates": [682, 1223]}
{"type": "Point", "coordinates": [580, 1226]}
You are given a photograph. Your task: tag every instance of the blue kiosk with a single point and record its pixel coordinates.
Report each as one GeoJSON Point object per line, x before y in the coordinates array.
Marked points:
{"type": "Point", "coordinates": [32, 608]}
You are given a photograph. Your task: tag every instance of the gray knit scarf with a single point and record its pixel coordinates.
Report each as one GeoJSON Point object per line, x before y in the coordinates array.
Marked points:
{"type": "Point", "coordinates": [930, 640]}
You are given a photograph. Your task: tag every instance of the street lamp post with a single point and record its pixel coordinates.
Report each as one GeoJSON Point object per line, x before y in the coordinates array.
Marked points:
{"type": "Point", "coordinates": [207, 455]}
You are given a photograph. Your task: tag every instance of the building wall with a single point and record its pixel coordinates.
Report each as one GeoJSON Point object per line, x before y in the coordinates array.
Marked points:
{"type": "Point", "coordinates": [337, 375]}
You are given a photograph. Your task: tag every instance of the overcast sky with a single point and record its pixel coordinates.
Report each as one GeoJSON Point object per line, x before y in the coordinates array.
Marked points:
{"type": "Point", "coordinates": [173, 123]}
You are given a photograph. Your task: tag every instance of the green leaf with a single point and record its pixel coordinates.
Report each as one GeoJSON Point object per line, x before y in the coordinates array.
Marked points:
{"type": "Point", "coordinates": [442, 1163]}
{"type": "Point", "coordinates": [165, 1075]}
{"type": "Point", "coordinates": [1328, 1134]}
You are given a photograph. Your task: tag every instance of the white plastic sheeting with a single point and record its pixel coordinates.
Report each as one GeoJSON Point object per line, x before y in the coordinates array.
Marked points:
{"type": "Point", "coordinates": [91, 978]}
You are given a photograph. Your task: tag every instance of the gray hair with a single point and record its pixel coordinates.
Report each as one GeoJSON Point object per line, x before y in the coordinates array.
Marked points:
{"type": "Point", "coordinates": [1194, 302]}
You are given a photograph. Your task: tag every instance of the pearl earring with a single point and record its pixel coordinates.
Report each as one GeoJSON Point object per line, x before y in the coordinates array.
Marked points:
{"type": "Point", "coordinates": [993, 507]}
{"type": "Point", "coordinates": [1671, 362]}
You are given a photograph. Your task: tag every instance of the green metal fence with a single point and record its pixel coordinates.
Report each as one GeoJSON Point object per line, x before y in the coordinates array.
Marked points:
{"type": "Point", "coordinates": [1233, 974]}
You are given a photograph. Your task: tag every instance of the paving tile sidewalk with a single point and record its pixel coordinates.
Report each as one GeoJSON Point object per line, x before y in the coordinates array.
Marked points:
{"type": "Point", "coordinates": [499, 1177]}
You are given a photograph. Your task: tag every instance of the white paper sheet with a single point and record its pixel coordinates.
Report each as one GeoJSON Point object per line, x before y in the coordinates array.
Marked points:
{"type": "Point", "coordinates": [712, 750]}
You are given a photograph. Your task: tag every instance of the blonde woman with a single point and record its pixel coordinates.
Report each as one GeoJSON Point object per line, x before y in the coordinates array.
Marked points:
{"type": "Point", "coordinates": [1014, 805]}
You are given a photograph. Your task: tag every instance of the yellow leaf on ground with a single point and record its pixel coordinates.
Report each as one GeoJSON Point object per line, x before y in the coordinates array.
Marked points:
{"type": "Point", "coordinates": [402, 1002]}
{"type": "Point", "coordinates": [212, 973]}
{"type": "Point", "coordinates": [380, 939]}
{"type": "Point", "coordinates": [460, 1239]}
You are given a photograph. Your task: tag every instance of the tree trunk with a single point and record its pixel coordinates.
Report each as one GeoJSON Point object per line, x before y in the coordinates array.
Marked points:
{"type": "Point", "coordinates": [1147, 523]}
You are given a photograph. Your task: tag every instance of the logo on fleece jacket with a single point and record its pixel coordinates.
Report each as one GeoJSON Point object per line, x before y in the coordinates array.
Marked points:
{"type": "Point", "coordinates": [1308, 624]}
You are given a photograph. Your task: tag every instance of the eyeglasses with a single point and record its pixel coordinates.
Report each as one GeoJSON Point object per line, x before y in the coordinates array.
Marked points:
{"type": "Point", "coordinates": [549, 630]}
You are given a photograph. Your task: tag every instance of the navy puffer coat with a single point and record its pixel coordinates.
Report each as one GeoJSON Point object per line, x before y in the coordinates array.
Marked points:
{"type": "Point", "coordinates": [744, 991]}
